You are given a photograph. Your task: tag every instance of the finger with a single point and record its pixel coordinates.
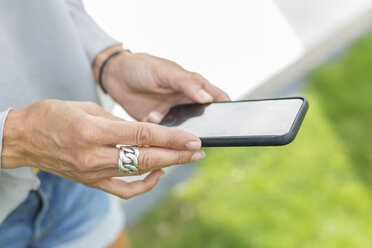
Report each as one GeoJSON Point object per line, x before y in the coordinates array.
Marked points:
{"type": "Point", "coordinates": [197, 88]}
{"type": "Point", "coordinates": [217, 93]}
{"type": "Point", "coordinates": [191, 87]}
{"type": "Point", "coordinates": [127, 190]}
{"type": "Point", "coordinates": [145, 134]}
{"type": "Point", "coordinates": [149, 159]}
{"type": "Point", "coordinates": [153, 117]}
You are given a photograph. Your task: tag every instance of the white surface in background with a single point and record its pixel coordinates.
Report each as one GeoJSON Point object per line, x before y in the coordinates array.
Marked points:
{"type": "Point", "coordinates": [316, 20]}
{"type": "Point", "coordinates": [235, 44]}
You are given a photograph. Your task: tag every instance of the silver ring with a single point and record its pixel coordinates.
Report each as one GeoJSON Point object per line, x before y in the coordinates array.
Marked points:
{"type": "Point", "coordinates": [128, 159]}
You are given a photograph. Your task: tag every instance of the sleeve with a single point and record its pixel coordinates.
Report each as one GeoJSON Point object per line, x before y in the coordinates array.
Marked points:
{"type": "Point", "coordinates": [93, 38]}
{"type": "Point", "coordinates": [3, 116]}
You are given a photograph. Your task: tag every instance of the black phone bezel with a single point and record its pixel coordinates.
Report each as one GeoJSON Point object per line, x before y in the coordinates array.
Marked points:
{"type": "Point", "coordinates": [260, 140]}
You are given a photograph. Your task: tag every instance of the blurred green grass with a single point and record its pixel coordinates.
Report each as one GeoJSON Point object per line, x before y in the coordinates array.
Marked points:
{"type": "Point", "coordinates": [315, 192]}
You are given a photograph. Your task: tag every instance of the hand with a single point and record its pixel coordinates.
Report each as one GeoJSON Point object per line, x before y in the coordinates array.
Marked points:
{"type": "Point", "coordinates": [76, 140]}
{"type": "Point", "coordinates": [147, 86]}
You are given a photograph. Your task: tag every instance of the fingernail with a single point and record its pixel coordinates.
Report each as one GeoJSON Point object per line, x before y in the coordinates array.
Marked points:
{"type": "Point", "coordinates": [204, 96]}
{"type": "Point", "coordinates": [198, 156]}
{"type": "Point", "coordinates": [155, 117]}
{"type": "Point", "coordinates": [193, 145]}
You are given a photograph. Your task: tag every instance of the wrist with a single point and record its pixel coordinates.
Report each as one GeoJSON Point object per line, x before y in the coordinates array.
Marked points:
{"type": "Point", "coordinates": [12, 155]}
{"type": "Point", "coordinates": [103, 60]}
{"type": "Point", "coordinates": [101, 57]}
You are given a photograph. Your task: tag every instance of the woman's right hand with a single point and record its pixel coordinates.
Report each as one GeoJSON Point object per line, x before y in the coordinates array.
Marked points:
{"type": "Point", "coordinates": [77, 141]}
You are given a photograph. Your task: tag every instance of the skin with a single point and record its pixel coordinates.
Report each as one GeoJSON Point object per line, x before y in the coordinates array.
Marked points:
{"type": "Point", "coordinates": [76, 140]}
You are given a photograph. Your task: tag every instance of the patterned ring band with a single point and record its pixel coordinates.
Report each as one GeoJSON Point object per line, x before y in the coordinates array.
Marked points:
{"type": "Point", "coordinates": [128, 159]}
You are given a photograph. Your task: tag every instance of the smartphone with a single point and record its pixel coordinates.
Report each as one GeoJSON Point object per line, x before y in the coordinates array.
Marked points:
{"type": "Point", "coordinates": [263, 122]}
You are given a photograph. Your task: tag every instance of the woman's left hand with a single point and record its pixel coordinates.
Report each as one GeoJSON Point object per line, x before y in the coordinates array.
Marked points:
{"type": "Point", "coordinates": [147, 86]}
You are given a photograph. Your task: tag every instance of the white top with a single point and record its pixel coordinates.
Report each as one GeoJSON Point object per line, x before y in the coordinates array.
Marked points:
{"type": "Point", "coordinates": [47, 48]}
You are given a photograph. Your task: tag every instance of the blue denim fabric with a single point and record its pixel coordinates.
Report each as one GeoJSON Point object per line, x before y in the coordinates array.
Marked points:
{"type": "Point", "coordinates": [58, 212]}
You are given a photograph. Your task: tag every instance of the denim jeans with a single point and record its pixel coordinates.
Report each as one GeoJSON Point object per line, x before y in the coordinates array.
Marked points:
{"type": "Point", "coordinates": [62, 213]}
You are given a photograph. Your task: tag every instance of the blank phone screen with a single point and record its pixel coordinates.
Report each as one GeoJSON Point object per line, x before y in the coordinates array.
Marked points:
{"type": "Point", "coordinates": [247, 118]}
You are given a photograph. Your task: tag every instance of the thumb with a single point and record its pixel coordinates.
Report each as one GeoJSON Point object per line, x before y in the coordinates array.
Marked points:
{"type": "Point", "coordinates": [153, 117]}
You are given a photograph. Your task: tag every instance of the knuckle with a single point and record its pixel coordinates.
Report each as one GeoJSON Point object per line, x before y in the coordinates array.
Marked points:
{"type": "Point", "coordinates": [173, 63]}
{"type": "Point", "coordinates": [194, 74]}
{"type": "Point", "coordinates": [43, 106]}
{"type": "Point", "coordinates": [143, 135]}
{"type": "Point", "coordinates": [197, 77]}
{"type": "Point", "coordinates": [91, 105]}
{"type": "Point", "coordinates": [173, 140]}
{"type": "Point", "coordinates": [182, 158]}
{"type": "Point", "coordinates": [43, 102]}
{"type": "Point", "coordinates": [47, 102]}
{"type": "Point", "coordinates": [85, 132]}
{"type": "Point", "coordinates": [184, 86]}
{"type": "Point", "coordinates": [147, 160]}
